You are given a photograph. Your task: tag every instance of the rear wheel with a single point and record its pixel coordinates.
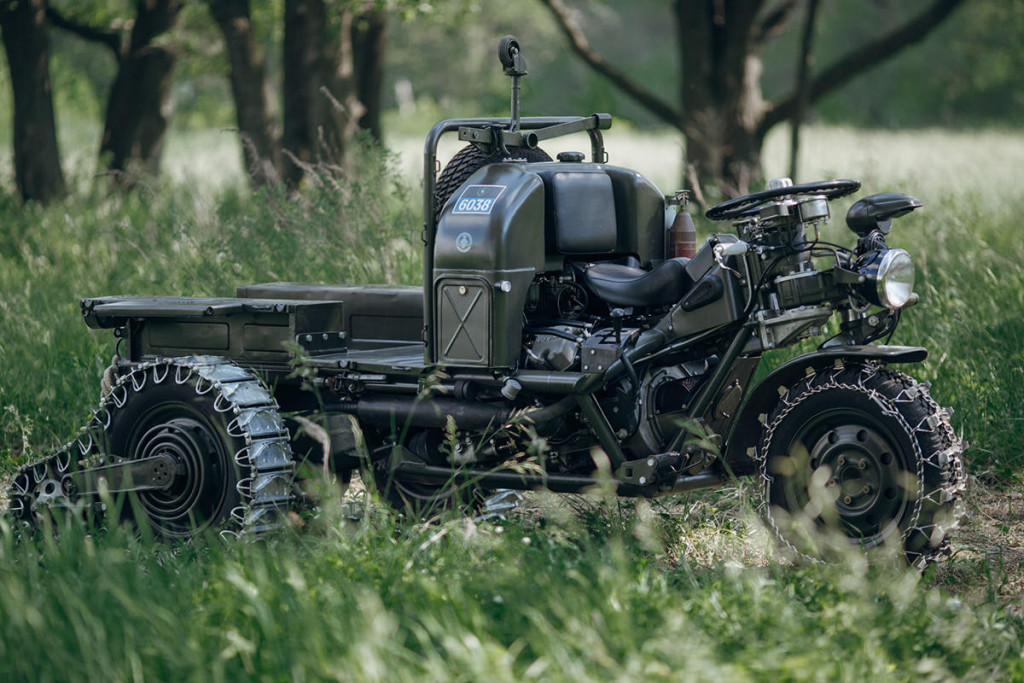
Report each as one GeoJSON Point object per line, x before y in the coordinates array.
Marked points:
{"type": "Point", "coordinates": [866, 451]}
{"type": "Point", "coordinates": [216, 454]}
{"type": "Point", "coordinates": [173, 419]}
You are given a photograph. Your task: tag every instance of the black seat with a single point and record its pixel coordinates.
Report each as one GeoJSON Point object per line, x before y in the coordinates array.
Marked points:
{"type": "Point", "coordinates": [628, 286]}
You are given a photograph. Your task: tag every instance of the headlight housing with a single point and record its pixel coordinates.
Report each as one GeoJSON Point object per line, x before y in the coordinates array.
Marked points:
{"type": "Point", "coordinates": [888, 278]}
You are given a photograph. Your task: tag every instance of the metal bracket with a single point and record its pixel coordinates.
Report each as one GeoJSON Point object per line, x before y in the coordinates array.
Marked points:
{"type": "Point", "coordinates": [649, 470]}
{"type": "Point", "coordinates": [145, 474]}
{"type": "Point", "coordinates": [322, 342]}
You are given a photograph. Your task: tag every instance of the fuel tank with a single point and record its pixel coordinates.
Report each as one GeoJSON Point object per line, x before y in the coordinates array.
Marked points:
{"type": "Point", "coordinates": [488, 248]}
{"type": "Point", "coordinates": [511, 221]}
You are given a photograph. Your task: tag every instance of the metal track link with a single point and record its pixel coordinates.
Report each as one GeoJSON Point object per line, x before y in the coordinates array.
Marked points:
{"type": "Point", "coordinates": [265, 461]}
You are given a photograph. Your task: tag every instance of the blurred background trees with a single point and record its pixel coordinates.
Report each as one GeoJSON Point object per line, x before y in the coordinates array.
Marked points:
{"type": "Point", "coordinates": [298, 79]}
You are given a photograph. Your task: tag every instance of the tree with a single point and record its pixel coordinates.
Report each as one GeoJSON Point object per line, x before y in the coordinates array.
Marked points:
{"type": "Point", "coordinates": [721, 111]}
{"type": "Point", "coordinates": [803, 72]}
{"type": "Point", "coordinates": [332, 56]}
{"type": "Point", "coordinates": [321, 103]}
{"type": "Point", "coordinates": [36, 157]}
{"type": "Point", "coordinates": [139, 103]}
{"type": "Point", "coordinates": [139, 106]}
{"type": "Point", "coordinates": [369, 38]}
{"type": "Point", "coordinates": [256, 121]}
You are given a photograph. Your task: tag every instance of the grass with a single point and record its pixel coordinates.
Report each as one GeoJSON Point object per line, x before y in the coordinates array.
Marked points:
{"type": "Point", "coordinates": [595, 591]}
{"type": "Point", "coordinates": [565, 589]}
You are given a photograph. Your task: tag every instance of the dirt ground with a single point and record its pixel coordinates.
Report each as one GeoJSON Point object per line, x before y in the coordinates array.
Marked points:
{"type": "Point", "coordinates": [988, 549]}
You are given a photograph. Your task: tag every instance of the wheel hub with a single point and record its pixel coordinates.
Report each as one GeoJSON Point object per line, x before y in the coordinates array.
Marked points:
{"type": "Point", "coordinates": [864, 477]}
{"type": "Point", "coordinates": [193, 495]}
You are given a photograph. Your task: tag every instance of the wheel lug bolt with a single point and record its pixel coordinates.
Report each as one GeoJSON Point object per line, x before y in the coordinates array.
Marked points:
{"type": "Point", "coordinates": [862, 465]}
{"type": "Point", "coordinates": [847, 499]}
{"type": "Point", "coordinates": [866, 489]}
{"type": "Point", "coordinates": [840, 461]}
{"type": "Point", "coordinates": [831, 482]}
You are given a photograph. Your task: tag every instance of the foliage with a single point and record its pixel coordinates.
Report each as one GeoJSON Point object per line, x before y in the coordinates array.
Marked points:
{"type": "Point", "coordinates": [167, 238]}
{"type": "Point", "coordinates": [969, 72]}
{"type": "Point", "coordinates": [595, 592]}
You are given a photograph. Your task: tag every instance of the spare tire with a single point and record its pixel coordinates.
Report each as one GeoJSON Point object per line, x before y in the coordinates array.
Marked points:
{"type": "Point", "coordinates": [468, 160]}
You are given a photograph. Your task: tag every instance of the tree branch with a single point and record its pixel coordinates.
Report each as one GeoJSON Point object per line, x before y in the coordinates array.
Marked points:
{"type": "Point", "coordinates": [803, 71]}
{"type": "Point", "coordinates": [774, 22]}
{"type": "Point", "coordinates": [863, 59]}
{"type": "Point", "coordinates": [111, 39]}
{"type": "Point", "coordinates": [579, 43]}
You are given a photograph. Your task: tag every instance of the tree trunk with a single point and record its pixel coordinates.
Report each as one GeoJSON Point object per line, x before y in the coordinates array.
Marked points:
{"type": "Point", "coordinates": [36, 157]}
{"type": "Point", "coordinates": [369, 37]}
{"type": "Point", "coordinates": [321, 108]}
{"type": "Point", "coordinates": [341, 108]}
{"type": "Point", "coordinates": [721, 98]}
{"type": "Point", "coordinates": [140, 105]}
{"type": "Point", "coordinates": [260, 149]}
{"type": "Point", "coordinates": [802, 81]}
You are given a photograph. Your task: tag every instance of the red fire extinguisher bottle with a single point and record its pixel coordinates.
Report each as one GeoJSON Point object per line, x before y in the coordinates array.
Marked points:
{"type": "Point", "coordinates": [682, 235]}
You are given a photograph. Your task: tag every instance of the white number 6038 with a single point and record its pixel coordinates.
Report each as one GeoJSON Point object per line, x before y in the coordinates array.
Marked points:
{"type": "Point", "coordinates": [474, 205]}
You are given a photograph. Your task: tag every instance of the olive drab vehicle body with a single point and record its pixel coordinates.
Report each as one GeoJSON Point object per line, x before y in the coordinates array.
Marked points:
{"type": "Point", "coordinates": [560, 327]}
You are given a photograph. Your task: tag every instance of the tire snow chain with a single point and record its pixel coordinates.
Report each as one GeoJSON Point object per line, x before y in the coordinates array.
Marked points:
{"type": "Point", "coordinates": [267, 493]}
{"type": "Point", "coordinates": [938, 419]}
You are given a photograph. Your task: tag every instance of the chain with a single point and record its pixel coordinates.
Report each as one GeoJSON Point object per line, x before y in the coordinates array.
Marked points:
{"type": "Point", "coordinates": [937, 420]}
{"type": "Point", "coordinates": [266, 491]}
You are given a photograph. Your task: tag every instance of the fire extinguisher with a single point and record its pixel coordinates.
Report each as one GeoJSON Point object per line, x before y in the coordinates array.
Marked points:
{"type": "Point", "coordinates": [682, 235]}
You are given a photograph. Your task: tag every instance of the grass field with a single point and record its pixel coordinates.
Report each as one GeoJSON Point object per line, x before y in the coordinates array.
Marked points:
{"type": "Point", "coordinates": [685, 589]}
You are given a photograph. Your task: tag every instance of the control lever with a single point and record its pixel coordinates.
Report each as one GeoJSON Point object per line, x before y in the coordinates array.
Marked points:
{"type": "Point", "coordinates": [731, 249]}
{"type": "Point", "coordinates": [724, 251]}
{"type": "Point", "coordinates": [616, 315]}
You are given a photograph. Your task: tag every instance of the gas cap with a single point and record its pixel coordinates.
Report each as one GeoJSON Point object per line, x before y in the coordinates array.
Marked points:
{"type": "Point", "coordinates": [779, 183]}
{"type": "Point", "coordinates": [572, 157]}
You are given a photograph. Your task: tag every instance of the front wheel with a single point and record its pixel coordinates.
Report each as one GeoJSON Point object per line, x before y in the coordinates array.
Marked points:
{"type": "Point", "coordinates": [865, 450]}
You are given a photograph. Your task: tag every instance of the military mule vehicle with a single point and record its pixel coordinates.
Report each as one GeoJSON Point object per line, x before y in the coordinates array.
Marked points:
{"type": "Point", "coordinates": [565, 336]}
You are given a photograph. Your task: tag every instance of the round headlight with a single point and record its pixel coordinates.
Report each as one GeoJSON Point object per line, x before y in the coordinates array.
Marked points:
{"type": "Point", "coordinates": [895, 279]}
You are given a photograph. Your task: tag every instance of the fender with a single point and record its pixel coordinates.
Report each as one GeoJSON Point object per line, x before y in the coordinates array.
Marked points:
{"type": "Point", "coordinates": [746, 429]}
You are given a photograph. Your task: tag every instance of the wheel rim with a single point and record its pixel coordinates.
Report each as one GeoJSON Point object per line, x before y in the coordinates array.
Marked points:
{"type": "Point", "coordinates": [196, 497]}
{"type": "Point", "coordinates": [864, 473]}
{"type": "Point", "coordinates": [420, 496]}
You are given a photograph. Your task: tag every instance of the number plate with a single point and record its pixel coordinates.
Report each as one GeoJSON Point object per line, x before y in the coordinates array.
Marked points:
{"type": "Point", "coordinates": [478, 199]}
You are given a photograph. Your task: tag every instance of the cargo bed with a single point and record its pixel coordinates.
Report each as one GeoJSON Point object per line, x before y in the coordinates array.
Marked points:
{"type": "Point", "coordinates": [269, 324]}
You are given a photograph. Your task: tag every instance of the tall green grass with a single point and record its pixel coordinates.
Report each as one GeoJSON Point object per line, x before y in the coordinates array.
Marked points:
{"type": "Point", "coordinates": [168, 239]}
{"type": "Point", "coordinates": [597, 593]}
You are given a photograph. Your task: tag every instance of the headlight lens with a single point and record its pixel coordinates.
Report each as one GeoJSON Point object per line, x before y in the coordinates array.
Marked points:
{"type": "Point", "coordinates": [895, 279]}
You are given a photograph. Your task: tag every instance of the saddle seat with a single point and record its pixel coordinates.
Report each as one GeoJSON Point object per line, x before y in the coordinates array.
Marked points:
{"type": "Point", "coordinates": [622, 285]}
